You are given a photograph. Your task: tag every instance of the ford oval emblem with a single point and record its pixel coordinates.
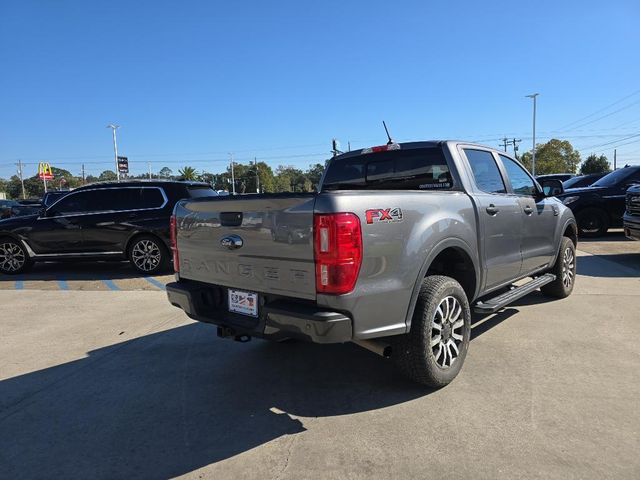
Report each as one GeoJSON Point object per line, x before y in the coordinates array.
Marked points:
{"type": "Point", "coordinates": [231, 242]}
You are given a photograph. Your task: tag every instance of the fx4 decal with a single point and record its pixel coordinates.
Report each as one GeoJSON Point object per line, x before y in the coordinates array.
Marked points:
{"type": "Point", "coordinates": [386, 215]}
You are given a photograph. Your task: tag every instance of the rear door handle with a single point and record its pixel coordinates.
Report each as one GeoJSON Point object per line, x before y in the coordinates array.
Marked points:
{"type": "Point", "coordinates": [528, 210]}
{"type": "Point", "coordinates": [492, 210]}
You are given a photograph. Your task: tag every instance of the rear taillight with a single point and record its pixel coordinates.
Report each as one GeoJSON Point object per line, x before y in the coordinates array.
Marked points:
{"type": "Point", "coordinates": [338, 252]}
{"type": "Point", "coordinates": [173, 235]}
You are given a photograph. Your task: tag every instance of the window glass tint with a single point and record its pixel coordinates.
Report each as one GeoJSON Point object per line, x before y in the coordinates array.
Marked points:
{"type": "Point", "coordinates": [197, 192]}
{"type": "Point", "coordinates": [521, 182]}
{"type": "Point", "coordinates": [485, 171]}
{"type": "Point", "coordinates": [415, 169]}
{"type": "Point", "coordinates": [150, 198]}
{"type": "Point", "coordinates": [71, 204]}
{"type": "Point", "coordinates": [618, 176]}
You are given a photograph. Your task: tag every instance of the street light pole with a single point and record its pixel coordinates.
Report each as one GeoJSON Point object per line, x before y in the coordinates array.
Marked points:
{"type": "Point", "coordinates": [115, 147]}
{"type": "Point", "coordinates": [233, 177]}
{"type": "Point", "coordinates": [533, 159]}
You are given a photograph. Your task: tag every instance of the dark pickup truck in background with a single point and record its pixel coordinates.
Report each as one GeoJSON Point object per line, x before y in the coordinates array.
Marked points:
{"type": "Point", "coordinates": [632, 213]}
{"type": "Point", "coordinates": [398, 246]}
{"type": "Point", "coordinates": [601, 206]}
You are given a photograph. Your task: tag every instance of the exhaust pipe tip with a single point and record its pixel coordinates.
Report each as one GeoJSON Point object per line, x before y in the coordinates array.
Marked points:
{"type": "Point", "coordinates": [378, 347]}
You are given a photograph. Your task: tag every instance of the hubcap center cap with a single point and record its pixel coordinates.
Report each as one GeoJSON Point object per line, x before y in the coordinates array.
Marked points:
{"type": "Point", "coordinates": [446, 332]}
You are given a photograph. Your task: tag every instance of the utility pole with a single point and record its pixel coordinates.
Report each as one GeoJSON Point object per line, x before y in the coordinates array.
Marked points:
{"type": "Point", "coordinates": [614, 159]}
{"type": "Point", "coordinates": [334, 147]}
{"type": "Point", "coordinates": [515, 143]}
{"type": "Point", "coordinates": [505, 142]}
{"type": "Point", "coordinates": [149, 167]}
{"type": "Point", "coordinates": [534, 96]}
{"type": "Point", "coordinates": [20, 174]}
{"type": "Point", "coordinates": [115, 147]}
{"type": "Point", "coordinates": [233, 176]}
{"type": "Point", "coordinates": [255, 162]}
{"type": "Point", "coordinates": [83, 177]}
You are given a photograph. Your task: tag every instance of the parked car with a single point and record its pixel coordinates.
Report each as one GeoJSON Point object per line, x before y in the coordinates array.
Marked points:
{"type": "Point", "coordinates": [631, 216]}
{"type": "Point", "coordinates": [582, 180]}
{"type": "Point", "coordinates": [601, 206]}
{"type": "Point", "coordinates": [5, 208]}
{"type": "Point", "coordinates": [563, 177]}
{"type": "Point", "coordinates": [406, 239]}
{"type": "Point", "coordinates": [107, 221]}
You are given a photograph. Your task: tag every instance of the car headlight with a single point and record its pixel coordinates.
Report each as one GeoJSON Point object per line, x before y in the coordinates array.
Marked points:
{"type": "Point", "coordinates": [568, 200]}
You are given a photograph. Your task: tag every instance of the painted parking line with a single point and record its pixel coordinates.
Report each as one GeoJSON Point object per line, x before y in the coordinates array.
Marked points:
{"type": "Point", "coordinates": [111, 284]}
{"type": "Point", "coordinates": [155, 283]}
{"type": "Point", "coordinates": [63, 285]}
{"type": "Point", "coordinates": [19, 285]}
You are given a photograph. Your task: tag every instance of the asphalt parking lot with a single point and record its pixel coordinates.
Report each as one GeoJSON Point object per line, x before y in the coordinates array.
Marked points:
{"type": "Point", "coordinates": [103, 382]}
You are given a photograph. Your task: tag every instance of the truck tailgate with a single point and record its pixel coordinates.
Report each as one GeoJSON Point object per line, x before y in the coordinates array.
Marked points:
{"type": "Point", "coordinates": [261, 243]}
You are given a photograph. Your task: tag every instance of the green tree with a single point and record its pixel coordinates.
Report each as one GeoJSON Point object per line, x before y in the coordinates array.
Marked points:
{"type": "Point", "coordinates": [296, 177]}
{"type": "Point", "coordinates": [108, 176]}
{"type": "Point", "coordinates": [188, 173]}
{"type": "Point", "coordinates": [314, 173]}
{"type": "Point", "coordinates": [555, 156]}
{"type": "Point", "coordinates": [282, 183]}
{"type": "Point", "coordinates": [595, 164]}
{"type": "Point", "coordinates": [165, 172]}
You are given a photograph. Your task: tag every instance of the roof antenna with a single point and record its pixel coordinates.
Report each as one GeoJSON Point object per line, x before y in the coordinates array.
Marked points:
{"type": "Point", "coordinates": [390, 142]}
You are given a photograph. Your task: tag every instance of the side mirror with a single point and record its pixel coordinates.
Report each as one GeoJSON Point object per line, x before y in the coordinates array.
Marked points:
{"type": "Point", "coordinates": [551, 187]}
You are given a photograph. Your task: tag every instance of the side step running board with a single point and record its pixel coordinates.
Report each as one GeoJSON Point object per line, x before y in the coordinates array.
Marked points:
{"type": "Point", "coordinates": [496, 303]}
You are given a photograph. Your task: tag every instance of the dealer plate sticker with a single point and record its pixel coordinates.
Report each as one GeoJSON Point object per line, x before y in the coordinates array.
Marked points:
{"type": "Point", "coordinates": [242, 302]}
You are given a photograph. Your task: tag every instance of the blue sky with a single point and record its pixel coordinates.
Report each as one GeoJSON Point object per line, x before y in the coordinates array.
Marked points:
{"type": "Point", "coordinates": [191, 81]}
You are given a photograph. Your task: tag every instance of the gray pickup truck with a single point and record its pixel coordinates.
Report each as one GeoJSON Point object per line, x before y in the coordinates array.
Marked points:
{"type": "Point", "coordinates": [399, 244]}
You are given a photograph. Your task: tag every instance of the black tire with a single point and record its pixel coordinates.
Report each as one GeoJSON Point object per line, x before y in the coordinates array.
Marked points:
{"type": "Point", "coordinates": [592, 222]}
{"type": "Point", "coordinates": [148, 255]}
{"type": "Point", "coordinates": [413, 353]}
{"type": "Point", "coordinates": [564, 270]}
{"type": "Point", "coordinates": [14, 258]}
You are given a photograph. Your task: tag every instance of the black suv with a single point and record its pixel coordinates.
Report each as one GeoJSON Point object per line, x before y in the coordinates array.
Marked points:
{"type": "Point", "coordinates": [601, 205]}
{"type": "Point", "coordinates": [106, 221]}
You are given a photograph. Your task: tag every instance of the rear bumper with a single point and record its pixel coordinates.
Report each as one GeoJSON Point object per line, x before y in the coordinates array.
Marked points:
{"type": "Point", "coordinates": [278, 319]}
{"type": "Point", "coordinates": [632, 227]}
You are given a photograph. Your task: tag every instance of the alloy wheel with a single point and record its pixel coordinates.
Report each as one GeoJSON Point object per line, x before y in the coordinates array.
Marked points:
{"type": "Point", "coordinates": [12, 257]}
{"type": "Point", "coordinates": [568, 267]}
{"type": "Point", "coordinates": [447, 332]}
{"type": "Point", "coordinates": [146, 255]}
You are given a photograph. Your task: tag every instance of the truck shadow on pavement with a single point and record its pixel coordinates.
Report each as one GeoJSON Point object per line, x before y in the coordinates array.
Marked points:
{"type": "Point", "coordinates": [168, 403]}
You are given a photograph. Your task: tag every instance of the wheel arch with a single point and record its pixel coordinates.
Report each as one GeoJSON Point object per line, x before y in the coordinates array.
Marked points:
{"type": "Point", "coordinates": [143, 233]}
{"type": "Point", "coordinates": [452, 251]}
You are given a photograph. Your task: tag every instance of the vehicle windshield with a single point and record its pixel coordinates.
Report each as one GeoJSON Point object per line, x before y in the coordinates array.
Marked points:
{"type": "Point", "coordinates": [615, 178]}
{"type": "Point", "coordinates": [414, 169]}
{"type": "Point", "coordinates": [575, 182]}
{"type": "Point", "coordinates": [202, 191]}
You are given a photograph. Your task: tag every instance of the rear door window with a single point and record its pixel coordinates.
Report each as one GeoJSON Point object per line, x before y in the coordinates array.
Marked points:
{"type": "Point", "coordinates": [485, 171]}
{"type": "Point", "coordinates": [413, 169]}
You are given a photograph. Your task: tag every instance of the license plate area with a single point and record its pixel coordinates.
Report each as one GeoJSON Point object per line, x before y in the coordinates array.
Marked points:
{"type": "Point", "coordinates": [242, 302]}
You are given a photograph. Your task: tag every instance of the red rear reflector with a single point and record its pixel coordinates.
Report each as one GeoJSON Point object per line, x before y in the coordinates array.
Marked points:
{"type": "Point", "coordinates": [338, 252]}
{"type": "Point", "coordinates": [173, 236]}
{"type": "Point", "coordinates": [381, 148]}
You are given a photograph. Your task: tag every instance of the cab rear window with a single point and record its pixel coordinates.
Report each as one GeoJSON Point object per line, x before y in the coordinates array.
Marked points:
{"type": "Point", "coordinates": [204, 191]}
{"type": "Point", "coordinates": [415, 169]}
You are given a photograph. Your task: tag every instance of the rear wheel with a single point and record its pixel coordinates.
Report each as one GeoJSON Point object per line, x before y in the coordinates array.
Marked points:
{"type": "Point", "coordinates": [433, 351]}
{"type": "Point", "coordinates": [564, 270]}
{"type": "Point", "coordinates": [148, 255]}
{"type": "Point", "coordinates": [13, 257]}
{"type": "Point", "coordinates": [592, 222]}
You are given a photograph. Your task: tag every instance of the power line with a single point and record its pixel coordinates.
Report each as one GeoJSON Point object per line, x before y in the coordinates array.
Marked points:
{"type": "Point", "coordinates": [600, 110]}
{"type": "Point", "coordinates": [603, 116]}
